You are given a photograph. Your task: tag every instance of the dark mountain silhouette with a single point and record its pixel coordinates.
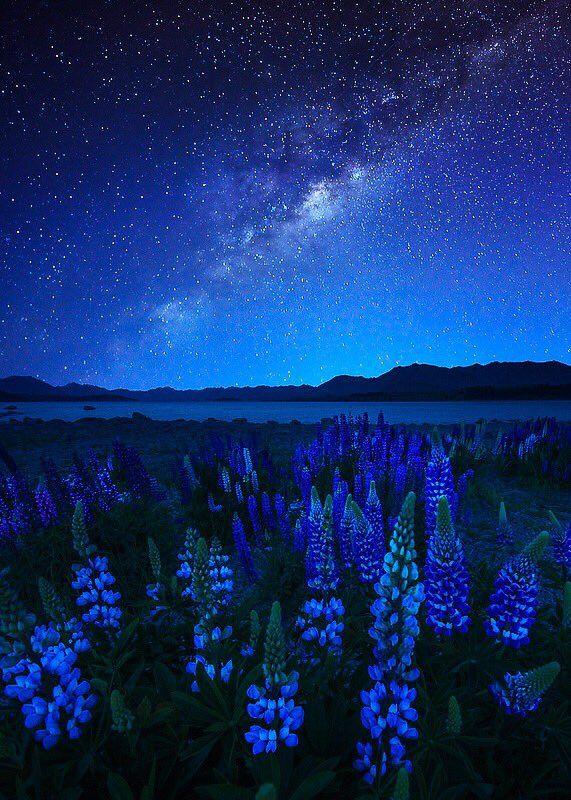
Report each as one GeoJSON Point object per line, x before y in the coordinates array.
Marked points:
{"type": "Point", "coordinates": [498, 380]}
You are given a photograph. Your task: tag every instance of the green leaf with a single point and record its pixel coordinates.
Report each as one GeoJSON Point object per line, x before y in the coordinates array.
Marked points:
{"type": "Point", "coordinates": [149, 788]}
{"type": "Point", "coordinates": [164, 678]}
{"type": "Point", "coordinates": [267, 792]}
{"type": "Point", "coordinates": [200, 714]}
{"type": "Point", "coordinates": [118, 787]}
{"type": "Point", "coordinates": [312, 785]}
{"type": "Point", "coordinates": [127, 634]}
{"type": "Point", "coordinates": [99, 685]}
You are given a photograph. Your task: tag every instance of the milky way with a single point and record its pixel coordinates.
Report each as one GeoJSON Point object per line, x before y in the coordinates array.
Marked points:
{"type": "Point", "coordinates": [228, 193]}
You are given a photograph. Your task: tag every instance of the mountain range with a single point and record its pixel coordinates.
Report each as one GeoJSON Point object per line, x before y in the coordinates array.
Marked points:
{"type": "Point", "coordinates": [497, 380]}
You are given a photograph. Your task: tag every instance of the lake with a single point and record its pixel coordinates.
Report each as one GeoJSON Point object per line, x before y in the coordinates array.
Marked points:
{"type": "Point", "coordinates": [436, 412]}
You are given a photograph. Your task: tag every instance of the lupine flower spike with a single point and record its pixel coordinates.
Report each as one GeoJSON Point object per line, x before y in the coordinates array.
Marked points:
{"type": "Point", "coordinates": [522, 692]}
{"type": "Point", "coordinates": [513, 605]}
{"type": "Point", "coordinates": [153, 589]}
{"type": "Point", "coordinates": [273, 704]}
{"type": "Point", "coordinates": [439, 482]}
{"type": "Point", "coordinates": [446, 584]}
{"type": "Point", "coordinates": [387, 713]}
{"type": "Point", "coordinates": [79, 535]}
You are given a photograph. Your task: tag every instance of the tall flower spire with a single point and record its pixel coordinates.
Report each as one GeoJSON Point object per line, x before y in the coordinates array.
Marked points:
{"type": "Point", "coordinates": [439, 482]}
{"type": "Point", "coordinates": [446, 583]}
{"type": "Point", "coordinates": [273, 704]}
{"type": "Point", "coordinates": [513, 604]}
{"type": "Point", "coordinates": [388, 711]}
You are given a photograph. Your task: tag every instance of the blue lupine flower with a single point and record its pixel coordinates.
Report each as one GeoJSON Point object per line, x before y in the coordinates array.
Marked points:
{"type": "Point", "coordinates": [446, 577]}
{"type": "Point", "coordinates": [387, 714]}
{"type": "Point", "coordinates": [273, 703]}
{"type": "Point", "coordinates": [561, 542]}
{"type": "Point", "coordinates": [243, 549]}
{"type": "Point", "coordinates": [239, 493]}
{"type": "Point", "coordinates": [346, 534]}
{"type": "Point", "coordinates": [93, 582]}
{"type": "Point", "coordinates": [69, 631]}
{"type": "Point", "coordinates": [387, 708]}
{"type": "Point", "coordinates": [186, 558]}
{"type": "Point", "coordinates": [55, 700]}
{"type": "Point", "coordinates": [321, 625]}
{"type": "Point", "coordinates": [213, 507]}
{"type": "Point", "coordinates": [340, 492]}
{"type": "Point", "coordinates": [367, 549]}
{"type": "Point", "coordinates": [282, 515]}
{"type": "Point", "coordinates": [522, 692]}
{"type": "Point", "coordinates": [221, 574]}
{"type": "Point", "coordinates": [276, 708]}
{"type": "Point", "coordinates": [306, 485]}
{"type": "Point", "coordinates": [247, 461]}
{"type": "Point", "coordinates": [225, 477]}
{"type": "Point", "coordinates": [439, 482]}
{"type": "Point", "coordinates": [320, 559]}
{"type": "Point", "coordinates": [254, 481]}
{"type": "Point", "coordinates": [205, 638]}
{"type": "Point", "coordinates": [513, 605]}
{"type": "Point", "coordinates": [374, 514]}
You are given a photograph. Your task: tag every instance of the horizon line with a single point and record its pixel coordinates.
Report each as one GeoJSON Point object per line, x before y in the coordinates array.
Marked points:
{"type": "Point", "coordinates": [286, 385]}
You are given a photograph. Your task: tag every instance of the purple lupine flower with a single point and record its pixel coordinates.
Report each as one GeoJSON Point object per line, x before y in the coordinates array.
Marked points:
{"type": "Point", "coordinates": [243, 549]}
{"type": "Point", "coordinates": [46, 506]}
{"type": "Point", "coordinates": [267, 513]}
{"type": "Point", "coordinates": [255, 519]}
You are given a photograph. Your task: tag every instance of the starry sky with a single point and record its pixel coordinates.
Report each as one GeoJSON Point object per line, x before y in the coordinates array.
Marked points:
{"type": "Point", "coordinates": [230, 193]}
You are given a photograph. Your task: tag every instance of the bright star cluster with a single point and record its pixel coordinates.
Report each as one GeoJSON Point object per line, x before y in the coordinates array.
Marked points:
{"type": "Point", "coordinates": [219, 193]}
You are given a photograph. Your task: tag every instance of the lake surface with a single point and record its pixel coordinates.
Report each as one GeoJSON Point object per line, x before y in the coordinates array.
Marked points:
{"type": "Point", "coordinates": [441, 412]}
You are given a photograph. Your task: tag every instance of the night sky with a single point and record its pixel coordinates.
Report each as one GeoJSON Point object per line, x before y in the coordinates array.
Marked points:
{"type": "Point", "coordinates": [218, 193]}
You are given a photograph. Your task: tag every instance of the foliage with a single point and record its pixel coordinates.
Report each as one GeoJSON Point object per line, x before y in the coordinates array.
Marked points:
{"type": "Point", "coordinates": [254, 626]}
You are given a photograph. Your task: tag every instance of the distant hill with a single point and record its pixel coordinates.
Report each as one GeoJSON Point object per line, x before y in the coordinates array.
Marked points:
{"type": "Point", "coordinates": [498, 380]}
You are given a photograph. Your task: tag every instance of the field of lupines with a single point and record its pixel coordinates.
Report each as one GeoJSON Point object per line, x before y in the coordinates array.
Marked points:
{"type": "Point", "coordinates": [329, 626]}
